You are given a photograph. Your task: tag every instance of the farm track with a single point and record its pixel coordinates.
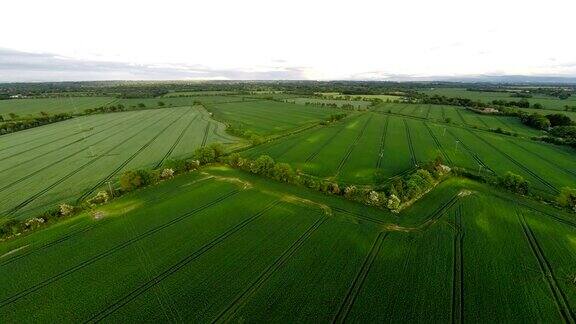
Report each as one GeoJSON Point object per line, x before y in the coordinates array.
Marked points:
{"type": "Point", "coordinates": [177, 266]}
{"type": "Point", "coordinates": [520, 165]}
{"type": "Point", "coordinates": [240, 300]}
{"type": "Point", "coordinates": [72, 173]}
{"type": "Point", "coordinates": [60, 147]}
{"type": "Point", "coordinates": [547, 272]}
{"type": "Point", "coordinates": [471, 153]}
{"type": "Point", "coordinates": [410, 145]}
{"type": "Point", "coordinates": [358, 216]}
{"type": "Point", "coordinates": [352, 146]}
{"type": "Point", "coordinates": [206, 132]}
{"type": "Point", "coordinates": [173, 146]}
{"type": "Point", "coordinates": [326, 143]}
{"type": "Point", "coordinates": [129, 159]}
{"type": "Point", "coordinates": [461, 117]}
{"type": "Point", "coordinates": [31, 174]}
{"type": "Point", "coordinates": [441, 210]}
{"type": "Point", "coordinates": [438, 145]}
{"type": "Point", "coordinates": [9, 300]}
{"type": "Point", "coordinates": [571, 172]}
{"type": "Point", "coordinates": [483, 122]}
{"type": "Point", "coordinates": [382, 143]}
{"type": "Point", "coordinates": [458, 271]}
{"type": "Point", "coordinates": [358, 281]}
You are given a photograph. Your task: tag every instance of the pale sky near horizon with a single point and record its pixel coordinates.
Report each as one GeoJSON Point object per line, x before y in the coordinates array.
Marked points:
{"type": "Point", "coordinates": [300, 39]}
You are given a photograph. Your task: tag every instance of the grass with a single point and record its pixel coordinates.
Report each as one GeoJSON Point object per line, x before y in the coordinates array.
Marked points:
{"type": "Point", "coordinates": [253, 250]}
{"type": "Point", "coordinates": [64, 161]}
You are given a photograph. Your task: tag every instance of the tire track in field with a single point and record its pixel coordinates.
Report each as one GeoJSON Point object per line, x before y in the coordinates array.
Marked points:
{"type": "Point", "coordinates": [470, 152]}
{"type": "Point", "coordinates": [547, 272]}
{"type": "Point", "coordinates": [527, 206]}
{"type": "Point", "coordinates": [72, 173]}
{"type": "Point", "coordinates": [326, 143]}
{"type": "Point", "coordinates": [51, 243]}
{"type": "Point", "coordinates": [460, 115]}
{"type": "Point", "coordinates": [177, 266]}
{"type": "Point", "coordinates": [483, 122]}
{"type": "Point", "coordinates": [131, 157]}
{"type": "Point", "coordinates": [60, 147]}
{"type": "Point", "coordinates": [44, 144]}
{"type": "Point", "coordinates": [31, 174]}
{"type": "Point", "coordinates": [352, 146]}
{"type": "Point", "coordinates": [359, 216]}
{"type": "Point", "coordinates": [358, 281]}
{"type": "Point", "coordinates": [458, 271]}
{"type": "Point", "coordinates": [410, 145]}
{"type": "Point", "coordinates": [175, 143]}
{"type": "Point", "coordinates": [571, 172]}
{"type": "Point", "coordinates": [116, 248]}
{"type": "Point", "coordinates": [438, 212]}
{"type": "Point", "coordinates": [443, 113]}
{"type": "Point", "coordinates": [240, 300]}
{"type": "Point", "coordinates": [438, 145]}
{"type": "Point", "coordinates": [520, 165]}
{"type": "Point", "coordinates": [382, 143]}
{"type": "Point", "coordinates": [428, 112]}
{"type": "Point", "coordinates": [206, 131]}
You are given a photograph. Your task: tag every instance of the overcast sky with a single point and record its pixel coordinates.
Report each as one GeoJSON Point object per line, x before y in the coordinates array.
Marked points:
{"type": "Point", "coordinates": [98, 40]}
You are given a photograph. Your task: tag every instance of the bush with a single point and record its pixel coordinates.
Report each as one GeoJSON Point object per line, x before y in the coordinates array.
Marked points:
{"type": "Point", "coordinates": [567, 198]}
{"type": "Point", "coordinates": [283, 172]}
{"type": "Point", "coordinates": [514, 183]}
{"type": "Point", "coordinates": [131, 180]}
{"type": "Point", "coordinates": [167, 174]}
{"type": "Point", "coordinates": [205, 155]}
{"type": "Point", "coordinates": [263, 165]}
{"type": "Point", "coordinates": [66, 210]}
{"type": "Point", "coordinates": [100, 198]}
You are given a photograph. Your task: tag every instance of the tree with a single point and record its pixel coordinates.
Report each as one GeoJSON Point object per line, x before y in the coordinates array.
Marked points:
{"type": "Point", "coordinates": [567, 198]}
{"type": "Point", "coordinates": [559, 120]}
{"type": "Point", "coordinates": [537, 106]}
{"type": "Point", "coordinates": [218, 149]}
{"type": "Point", "coordinates": [263, 165]}
{"type": "Point", "coordinates": [13, 116]}
{"type": "Point", "coordinates": [514, 182]}
{"type": "Point", "coordinates": [205, 155]}
{"type": "Point", "coordinates": [283, 172]}
{"type": "Point", "coordinates": [131, 180]}
{"type": "Point", "coordinates": [161, 103]}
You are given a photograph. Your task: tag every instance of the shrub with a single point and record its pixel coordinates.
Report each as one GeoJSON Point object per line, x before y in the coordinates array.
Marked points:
{"type": "Point", "coordinates": [393, 203]}
{"type": "Point", "coordinates": [167, 174]}
{"type": "Point", "coordinates": [205, 155]}
{"type": "Point", "coordinates": [131, 180]}
{"type": "Point", "coordinates": [513, 182]}
{"type": "Point", "coordinates": [283, 172]}
{"type": "Point", "coordinates": [66, 209]}
{"type": "Point", "coordinates": [567, 198]}
{"type": "Point", "coordinates": [263, 165]}
{"type": "Point", "coordinates": [100, 198]}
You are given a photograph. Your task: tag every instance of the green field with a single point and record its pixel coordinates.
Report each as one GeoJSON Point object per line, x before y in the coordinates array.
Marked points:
{"type": "Point", "coordinates": [266, 117]}
{"type": "Point", "coordinates": [253, 250]}
{"type": "Point", "coordinates": [547, 102]}
{"type": "Point", "coordinates": [44, 166]}
{"type": "Point", "coordinates": [33, 107]}
{"type": "Point", "coordinates": [355, 148]}
{"type": "Point", "coordinates": [339, 103]}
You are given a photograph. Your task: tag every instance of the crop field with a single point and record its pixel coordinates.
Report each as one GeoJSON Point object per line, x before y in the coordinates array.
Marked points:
{"type": "Point", "coordinates": [354, 149]}
{"type": "Point", "coordinates": [267, 117]}
{"type": "Point", "coordinates": [44, 166]}
{"type": "Point", "coordinates": [547, 102]}
{"type": "Point", "coordinates": [27, 107]}
{"type": "Point", "coordinates": [458, 116]}
{"type": "Point", "coordinates": [254, 250]}
{"type": "Point", "coordinates": [339, 103]}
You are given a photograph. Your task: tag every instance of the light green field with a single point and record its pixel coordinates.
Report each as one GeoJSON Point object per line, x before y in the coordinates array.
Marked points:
{"type": "Point", "coordinates": [266, 117]}
{"type": "Point", "coordinates": [339, 103]}
{"type": "Point", "coordinates": [546, 101]}
{"type": "Point", "coordinates": [33, 107]}
{"type": "Point", "coordinates": [44, 166]}
{"type": "Point", "coordinates": [253, 250]}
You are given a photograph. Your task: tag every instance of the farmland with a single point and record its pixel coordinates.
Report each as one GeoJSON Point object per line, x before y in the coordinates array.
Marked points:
{"type": "Point", "coordinates": [234, 239]}
{"type": "Point", "coordinates": [64, 161]}
{"type": "Point", "coordinates": [26, 107]}
{"type": "Point", "coordinates": [254, 250]}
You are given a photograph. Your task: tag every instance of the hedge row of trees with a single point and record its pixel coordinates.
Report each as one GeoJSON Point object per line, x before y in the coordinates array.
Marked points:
{"type": "Point", "coordinates": [18, 125]}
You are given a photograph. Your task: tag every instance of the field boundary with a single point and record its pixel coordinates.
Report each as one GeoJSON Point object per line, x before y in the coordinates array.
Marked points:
{"type": "Point", "coordinates": [178, 266]}
{"type": "Point", "coordinates": [114, 249]}
{"type": "Point", "coordinates": [359, 279]}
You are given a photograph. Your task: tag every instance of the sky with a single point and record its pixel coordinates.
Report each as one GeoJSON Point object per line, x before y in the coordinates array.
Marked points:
{"type": "Point", "coordinates": [61, 40]}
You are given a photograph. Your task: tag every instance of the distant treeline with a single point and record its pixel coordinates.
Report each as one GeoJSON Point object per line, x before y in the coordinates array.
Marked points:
{"type": "Point", "coordinates": [18, 125]}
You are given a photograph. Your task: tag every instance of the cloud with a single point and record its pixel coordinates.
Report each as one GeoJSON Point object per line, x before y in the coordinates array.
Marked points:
{"type": "Point", "coordinates": [18, 66]}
